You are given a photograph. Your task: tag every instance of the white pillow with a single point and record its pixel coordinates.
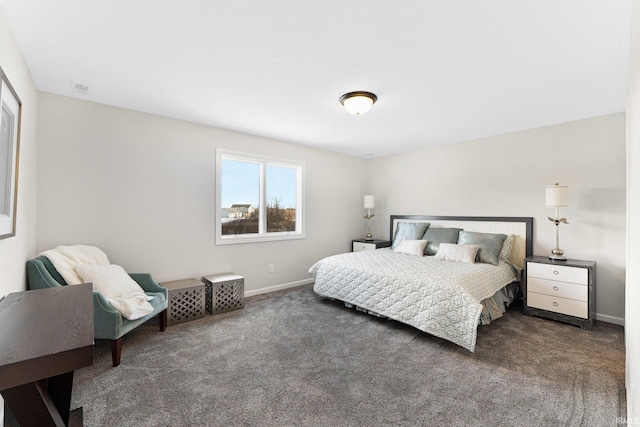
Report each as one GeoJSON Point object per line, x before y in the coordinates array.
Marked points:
{"type": "Point", "coordinates": [411, 247]}
{"type": "Point", "coordinates": [111, 280]}
{"type": "Point", "coordinates": [124, 294]}
{"type": "Point", "coordinates": [457, 253]}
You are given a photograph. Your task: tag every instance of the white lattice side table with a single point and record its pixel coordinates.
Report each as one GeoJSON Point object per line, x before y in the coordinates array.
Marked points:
{"type": "Point", "coordinates": [223, 292]}
{"type": "Point", "coordinates": [186, 300]}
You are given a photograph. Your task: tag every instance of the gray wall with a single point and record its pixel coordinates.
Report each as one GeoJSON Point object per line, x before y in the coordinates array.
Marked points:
{"type": "Point", "coordinates": [15, 251]}
{"type": "Point", "coordinates": [142, 188]}
{"type": "Point", "coordinates": [632, 327]}
{"type": "Point", "coordinates": [505, 175]}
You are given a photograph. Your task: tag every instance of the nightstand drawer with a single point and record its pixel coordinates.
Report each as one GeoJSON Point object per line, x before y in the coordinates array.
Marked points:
{"type": "Point", "coordinates": [558, 305]}
{"type": "Point", "coordinates": [360, 246]}
{"type": "Point", "coordinates": [558, 289]}
{"type": "Point", "coordinates": [558, 272]}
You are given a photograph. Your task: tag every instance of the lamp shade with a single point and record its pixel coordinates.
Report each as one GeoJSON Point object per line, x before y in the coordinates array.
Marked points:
{"type": "Point", "coordinates": [556, 195]}
{"type": "Point", "coordinates": [369, 201]}
{"type": "Point", "coordinates": [358, 102]}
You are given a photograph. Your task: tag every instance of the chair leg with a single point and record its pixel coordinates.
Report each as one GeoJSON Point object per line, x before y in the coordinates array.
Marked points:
{"type": "Point", "coordinates": [116, 350]}
{"type": "Point", "coordinates": [163, 320]}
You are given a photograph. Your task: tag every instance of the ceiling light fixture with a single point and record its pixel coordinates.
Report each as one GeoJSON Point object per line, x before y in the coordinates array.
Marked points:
{"type": "Point", "coordinates": [358, 102]}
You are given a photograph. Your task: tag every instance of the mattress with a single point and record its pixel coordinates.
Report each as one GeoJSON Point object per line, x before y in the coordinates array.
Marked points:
{"type": "Point", "coordinates": [442, 298]}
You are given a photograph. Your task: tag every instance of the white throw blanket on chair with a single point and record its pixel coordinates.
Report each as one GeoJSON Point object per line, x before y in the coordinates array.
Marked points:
{"type": "Point", "coordinates": [82, 264]}
{"type": "Point", "coordinates": [66, 258]}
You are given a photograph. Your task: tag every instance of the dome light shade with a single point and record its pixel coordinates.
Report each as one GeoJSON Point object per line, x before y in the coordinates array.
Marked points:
{"type": "Point", "coordinates": [359, 102]}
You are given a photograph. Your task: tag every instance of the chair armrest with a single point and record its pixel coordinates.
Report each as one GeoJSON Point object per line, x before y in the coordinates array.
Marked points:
{"type": "Point", "coordinates": [101, 301]}
{"type": "Point", "coordinates": [147, 283]}
{"type": "Point", "coordinates": [107, 321]}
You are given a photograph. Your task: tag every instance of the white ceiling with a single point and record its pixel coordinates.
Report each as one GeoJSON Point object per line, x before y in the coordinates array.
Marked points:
{"type": "Point", "coordinates": [443, 70]}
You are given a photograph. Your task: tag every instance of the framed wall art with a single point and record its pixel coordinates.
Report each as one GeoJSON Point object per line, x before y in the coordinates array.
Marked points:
{"type": "Point", "coordinates": [10, 112]}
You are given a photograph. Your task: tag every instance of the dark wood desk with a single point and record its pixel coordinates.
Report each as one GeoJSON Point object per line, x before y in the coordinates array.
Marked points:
{"type": "Point", "coordinates": [46, 334]}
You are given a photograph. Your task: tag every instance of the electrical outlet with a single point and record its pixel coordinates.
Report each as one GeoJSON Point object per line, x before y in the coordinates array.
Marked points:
{"type": "Point", "coordinates": [271, 268]}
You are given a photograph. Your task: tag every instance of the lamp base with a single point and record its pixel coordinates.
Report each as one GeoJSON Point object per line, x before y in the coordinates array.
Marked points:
{"type": "Point", "coordinates": [557, 254]}
{"type": "Point", "coordinates": [368, 217]}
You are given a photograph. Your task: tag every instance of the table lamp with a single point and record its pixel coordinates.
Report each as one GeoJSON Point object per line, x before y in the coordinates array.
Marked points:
{"type": "Point", "coordinates": [556, 196]}
{"type": "Point", "coordinates": [369, 203]}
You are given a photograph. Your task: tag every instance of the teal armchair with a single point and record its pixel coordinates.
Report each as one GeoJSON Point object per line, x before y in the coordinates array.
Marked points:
{"type": "Point", "coordinates": [108, 322]}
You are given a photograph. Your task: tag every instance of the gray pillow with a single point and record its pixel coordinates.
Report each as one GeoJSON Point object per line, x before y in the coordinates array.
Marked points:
{"type": "Point", "coordinates": [490, 245]}
{"type": "Point", "coordinates": [408, 231]}
{"type": "Point", "coordinates": [435, 236]}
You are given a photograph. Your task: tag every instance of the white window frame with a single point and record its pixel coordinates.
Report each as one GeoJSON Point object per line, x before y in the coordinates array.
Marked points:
{"type": "Point", "coordinates": [262, 235]}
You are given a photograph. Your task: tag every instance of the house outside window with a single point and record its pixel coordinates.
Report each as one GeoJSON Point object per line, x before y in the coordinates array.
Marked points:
{"type": "Point", "coordinates": [245, 184]}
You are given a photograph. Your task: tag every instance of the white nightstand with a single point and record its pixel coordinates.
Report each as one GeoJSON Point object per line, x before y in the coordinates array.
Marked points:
{"type": "Point", "coordinates": [368, 245]}
{"type": "Point", "coordinates": [560, 290]}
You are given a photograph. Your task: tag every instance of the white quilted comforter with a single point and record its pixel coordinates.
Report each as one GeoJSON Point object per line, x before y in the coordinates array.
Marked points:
{"type": "Point", "coordinates": [441, 298]}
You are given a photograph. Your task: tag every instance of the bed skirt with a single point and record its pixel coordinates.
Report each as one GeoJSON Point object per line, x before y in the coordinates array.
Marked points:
{"type": "Point", "coordinates": [492, 308]}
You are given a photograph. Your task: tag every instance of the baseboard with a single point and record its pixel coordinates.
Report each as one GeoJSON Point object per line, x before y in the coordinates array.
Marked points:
{"type": "Point", "coordinates": [277, 287]}
{"type": "Point", "coordinates": [610, 319]}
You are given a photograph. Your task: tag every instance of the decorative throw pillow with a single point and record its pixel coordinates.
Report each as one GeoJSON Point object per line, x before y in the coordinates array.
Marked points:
{"type": "Point", "coordinates": [408, 231]}
{"type": "Point", "coordinates": [489, 244]}
{"type": "Point", "coordinates": [435, 236]}
{"type": "Point", "coordinates": [111, 280]}
{"type": "Point", "coordinates": [411, 247]}
{"type": "Point", "coordinates": [505, 253]}
{"type": "Point", "coordinates": [457, 253]}
{"type": "Point", "coordinates": [124, 294]}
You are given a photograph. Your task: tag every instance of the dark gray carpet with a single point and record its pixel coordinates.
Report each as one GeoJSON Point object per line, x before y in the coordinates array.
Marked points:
{"type": "Point", "coordinates": [292, 359]}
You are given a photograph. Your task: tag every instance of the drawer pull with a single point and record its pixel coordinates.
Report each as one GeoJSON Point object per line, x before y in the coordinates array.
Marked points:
{"type": "Point", "coordinates": [555, 288]}
{"type": "Point", "coordinates": [555, 304]}
{"type": "Point", "coordinates": [555, 272]}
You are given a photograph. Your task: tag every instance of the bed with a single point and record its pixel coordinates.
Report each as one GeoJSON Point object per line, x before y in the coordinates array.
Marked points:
{"type": "Point", "coordinates": [464, 276]}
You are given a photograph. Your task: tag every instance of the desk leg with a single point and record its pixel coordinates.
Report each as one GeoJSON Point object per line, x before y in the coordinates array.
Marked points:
{"type": "Point", "coordinates": [59, 388]}
{"type": "Point", "coordinates": [31, 405]}
{"type": "Point", "coordinates": [43, 403]}
{"type": "Point", "coordinates": [9, 420]}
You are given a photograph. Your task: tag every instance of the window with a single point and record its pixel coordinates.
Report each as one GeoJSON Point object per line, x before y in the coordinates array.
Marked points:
{"type": "Point", "coordinates": [258, 198]}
